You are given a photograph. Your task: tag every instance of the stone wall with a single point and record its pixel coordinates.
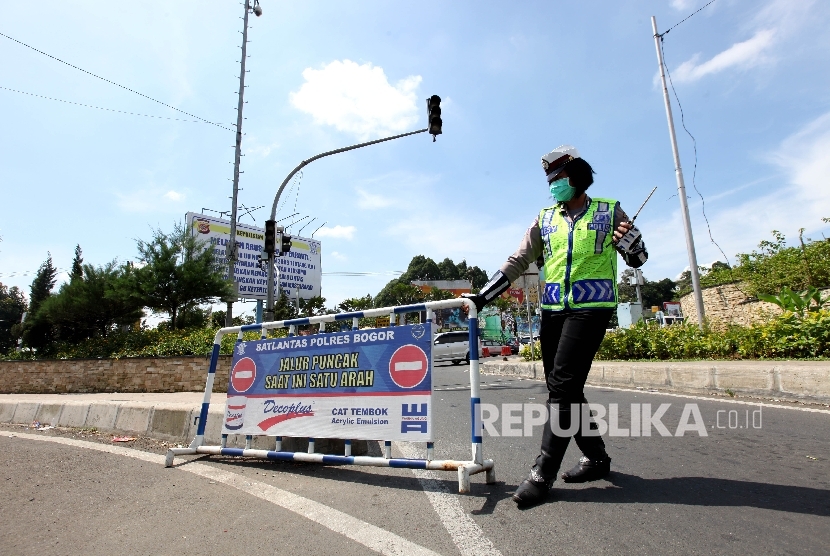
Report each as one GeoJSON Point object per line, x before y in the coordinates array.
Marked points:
{"type": "Point", "coordinates": [727, 304]}
{"type": "Point", "coordinates": [134, 374]}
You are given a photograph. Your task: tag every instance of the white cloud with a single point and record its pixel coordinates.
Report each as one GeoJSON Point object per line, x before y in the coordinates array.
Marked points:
{"type": "Point", "coordinates": [338, 232]}
{"type": "Point", "coordinates": [150, 199]}
{"type": "Point", "coordinates": [371, 201]}
{"type": "Point", "coordinates": [255, 149]}
{"type": "Point", "coordinates": [739, 56]}
{"type": "Point", "coordinates": [358, 99]}
{"type": "Point", "coordinates": [682, 5]}
{"type": "Point", "coordinates": [338, 256]}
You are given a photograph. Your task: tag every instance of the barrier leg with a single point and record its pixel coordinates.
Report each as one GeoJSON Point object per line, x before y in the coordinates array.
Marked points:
{"type": "Point", "coordinates": [490, 476]}
{"type": "Point", "coordinates": [278, 446]}
{"type": "Point", "coordinates": [310, 445]}
{"type": "Point", "coordinates": [248, 441]}
{"type": "Point", "coordinates": [430, 451]}
{"type": "Point", "coordinates": [224, 441]}
{"type": "Point", "coordinates": [199, 439]}
{"type": "Point", "coordinates": [463, 480]}
{"type": "Point", "coordinates": [348, 449]}
{"type": "Point", "coordinates": [387, 449]}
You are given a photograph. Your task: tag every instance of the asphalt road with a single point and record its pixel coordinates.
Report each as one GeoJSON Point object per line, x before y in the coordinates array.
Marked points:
{"type": "Point", "coordinates": [762, 489]}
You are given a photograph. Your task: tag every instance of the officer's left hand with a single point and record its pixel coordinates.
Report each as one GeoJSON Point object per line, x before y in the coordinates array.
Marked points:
{"type": "Point", "coordinates": [621, 230]}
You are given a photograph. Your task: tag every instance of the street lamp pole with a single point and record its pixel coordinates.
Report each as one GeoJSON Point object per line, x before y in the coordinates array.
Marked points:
{"type": "Point", "coordinates": [270, 257]}
{"type": "Point", "coordinates": [230, 249]}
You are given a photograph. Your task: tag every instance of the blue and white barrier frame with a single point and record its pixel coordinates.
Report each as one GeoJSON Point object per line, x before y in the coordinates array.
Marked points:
{"type": "Point", "coordinates": [465, 468]}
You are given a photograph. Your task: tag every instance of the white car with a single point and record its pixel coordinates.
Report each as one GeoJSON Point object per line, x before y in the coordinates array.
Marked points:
{"type": "Point", "coordinates": [453, 346]}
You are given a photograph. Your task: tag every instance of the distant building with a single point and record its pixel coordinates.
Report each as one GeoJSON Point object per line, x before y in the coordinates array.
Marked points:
{"type": "Point", "coordinates": [455, 287]}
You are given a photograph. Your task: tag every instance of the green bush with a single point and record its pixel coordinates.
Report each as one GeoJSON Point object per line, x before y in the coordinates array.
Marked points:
{"type": "Point", "coordinates": [787, 336]}
{"type": "Point", "coordinates": [524, 351]}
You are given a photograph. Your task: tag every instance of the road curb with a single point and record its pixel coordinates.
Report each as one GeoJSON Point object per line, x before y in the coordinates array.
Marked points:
{"type": "Point", "coordinates": [807, 381]}
{"type": "Point", "coordinates": [174, 422]}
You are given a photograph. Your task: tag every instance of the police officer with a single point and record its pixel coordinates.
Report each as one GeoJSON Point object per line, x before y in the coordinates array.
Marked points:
{"type": "Point", "coordinates": [578, 239]}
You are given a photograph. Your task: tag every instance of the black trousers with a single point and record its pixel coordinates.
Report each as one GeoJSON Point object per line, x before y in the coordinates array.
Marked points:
{"type": "Point", "coordinates": [570, 341]}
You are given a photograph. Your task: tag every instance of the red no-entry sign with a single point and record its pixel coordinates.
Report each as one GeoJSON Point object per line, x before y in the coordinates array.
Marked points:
{"type": "Point", "coordinates": [408, 366]}
{"type": "Point", "coordinates": [243, 374]}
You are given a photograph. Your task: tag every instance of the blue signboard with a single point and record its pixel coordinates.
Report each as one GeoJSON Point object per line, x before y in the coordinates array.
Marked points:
{"type": "Point", "coordinates": [362, 384]}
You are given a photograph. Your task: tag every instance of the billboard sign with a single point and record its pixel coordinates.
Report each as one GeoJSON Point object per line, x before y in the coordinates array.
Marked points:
{"type": "Point", "coordinates": [373, 384]}
{"type": "Point", "coordinates": [300, 269]}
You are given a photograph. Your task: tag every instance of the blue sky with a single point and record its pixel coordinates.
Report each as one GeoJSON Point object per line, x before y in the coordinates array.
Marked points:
{"type": "Point", "coordinates": [517, 80]}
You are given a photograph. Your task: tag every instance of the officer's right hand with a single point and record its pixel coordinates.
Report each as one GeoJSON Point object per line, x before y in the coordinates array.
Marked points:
{"type": "Point", "coordinates": [478, 299]}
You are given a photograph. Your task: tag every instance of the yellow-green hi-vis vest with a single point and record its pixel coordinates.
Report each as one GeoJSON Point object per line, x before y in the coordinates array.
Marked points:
{"type": "Point", "coordinates": [580, 260]}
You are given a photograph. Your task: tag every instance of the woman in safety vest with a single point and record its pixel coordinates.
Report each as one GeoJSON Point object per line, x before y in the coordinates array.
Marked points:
{"type": "Point", "coordinates": [578, 239]}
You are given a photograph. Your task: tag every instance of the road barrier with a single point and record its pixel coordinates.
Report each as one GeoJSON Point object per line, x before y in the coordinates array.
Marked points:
{"type": "Point", "coordinates": [371, 384]}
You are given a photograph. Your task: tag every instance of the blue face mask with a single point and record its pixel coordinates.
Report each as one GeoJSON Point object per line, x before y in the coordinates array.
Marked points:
{"type": "Point", "coordinates": [561, 190]}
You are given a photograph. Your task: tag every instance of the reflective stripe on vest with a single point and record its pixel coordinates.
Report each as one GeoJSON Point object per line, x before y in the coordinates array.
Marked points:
{"type": "Point", "coordinates": [580, 260]}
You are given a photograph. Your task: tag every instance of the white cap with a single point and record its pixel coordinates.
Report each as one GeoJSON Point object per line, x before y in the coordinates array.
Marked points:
{"type": "Point", "coordinates": [554, 161]}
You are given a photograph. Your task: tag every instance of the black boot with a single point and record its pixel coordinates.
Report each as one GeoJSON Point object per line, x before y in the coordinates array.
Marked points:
{"type": "Point", "coordinates": [588, 470]}
{"type": "Point", "coordinates": [534, 489]}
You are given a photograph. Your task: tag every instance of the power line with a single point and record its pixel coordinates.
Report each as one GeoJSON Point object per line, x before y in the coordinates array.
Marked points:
{"type": "Point", "coordinates": [685, 18]}
{"type": "Point", "coordinates": [694, 144]}
{"type": "Point", "coordinates": [114, 83]}
{"type": "Point", "coordinates": [98, 107]}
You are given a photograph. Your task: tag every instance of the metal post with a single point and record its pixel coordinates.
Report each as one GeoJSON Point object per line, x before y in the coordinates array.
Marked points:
{"type": "Point", "coordinates": [638, 276]}
{"type": "Point", "coordinates": [529, 321]}
{"type": "Point", "coordinates": [230, 250]}
{"type": "Point", "coordinates": [681, 188]}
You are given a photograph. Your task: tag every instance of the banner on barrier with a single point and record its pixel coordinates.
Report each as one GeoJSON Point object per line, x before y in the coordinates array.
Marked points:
{"type": "Point", "coordinates": [371, 384]}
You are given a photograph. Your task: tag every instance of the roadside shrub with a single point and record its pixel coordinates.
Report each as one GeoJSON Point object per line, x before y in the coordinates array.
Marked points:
{"type": "Point", "coordinates": [786, 336]}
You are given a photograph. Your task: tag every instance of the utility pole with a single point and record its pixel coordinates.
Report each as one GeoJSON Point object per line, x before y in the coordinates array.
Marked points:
{"type": "Point", "coordinates": [230, 249]}
{"type": "Point", "coordinates": [681, 188]}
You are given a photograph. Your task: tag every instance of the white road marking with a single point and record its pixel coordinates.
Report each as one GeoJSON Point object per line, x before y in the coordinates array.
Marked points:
{"type": "Point", "coordinates": [465, 533]}
{"type": "Point", "coordinates": [370, 536]}
{"type": "Point", "coordinates": [758, 403]}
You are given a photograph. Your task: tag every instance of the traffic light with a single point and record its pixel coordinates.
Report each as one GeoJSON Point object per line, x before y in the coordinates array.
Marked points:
{"type": "Point", "coordinates": [285, 244]}
{"type": "Point", "coordinates": [270, 236]}
{"type": "Point", "coordinates": [434, 115]}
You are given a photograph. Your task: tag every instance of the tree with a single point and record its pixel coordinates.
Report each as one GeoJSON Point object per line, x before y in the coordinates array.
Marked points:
{"type": "Point", "coordinates": [283, 309]}
{"type": "Point", "coordinates": [354, 304]}
{"type": "Point", "coordinates": [448, 269]}
{"type": "Point", "coordinates": [474, 274]}
{"type": "Point", "coordinates": [36, 331]}
{"type": "Point", "coordinates": [42, 285]}
{"type": "Point", "coordinates": [654, 293]}
{"type": "Point", "coordinates": [313, 307]}
{"type": "Point", "coordinates": [398, 292]}
{"type": "Point", "coordinates": [92, 304]}
{"type": "Point", "coordinates": [77, 265]}
{"type": "Point", "coordinates": [178, 273]}
{"type": "Point", "coordinates": [434, 294]}
{"type": "Point", "coordinates": [421, 268]}
{"type": "Point", "coordinates": [12, 307]}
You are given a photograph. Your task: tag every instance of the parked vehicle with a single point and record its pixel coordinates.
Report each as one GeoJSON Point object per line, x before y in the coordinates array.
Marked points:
{"type": "Point", "coordinates": [453, 346]}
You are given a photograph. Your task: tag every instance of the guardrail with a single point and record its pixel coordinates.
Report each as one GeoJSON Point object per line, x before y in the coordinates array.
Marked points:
{"type": "Point", "coordinates": [464, 468]}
